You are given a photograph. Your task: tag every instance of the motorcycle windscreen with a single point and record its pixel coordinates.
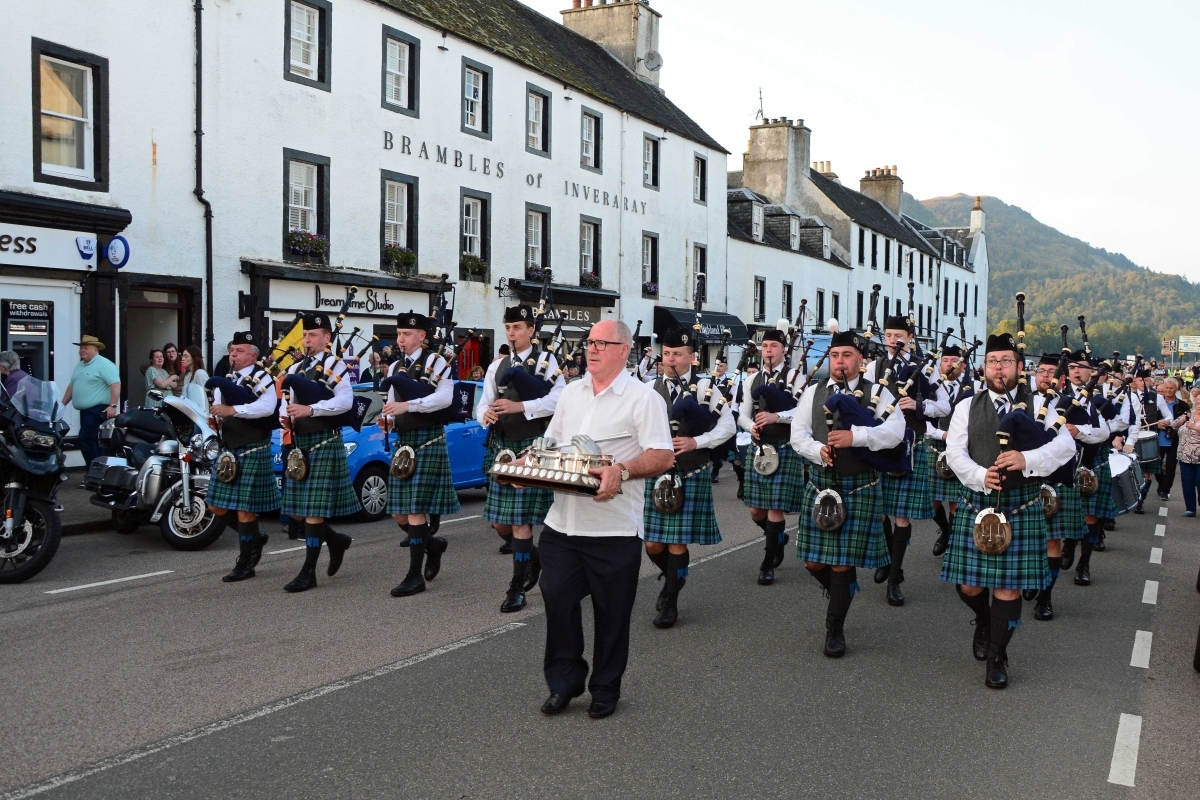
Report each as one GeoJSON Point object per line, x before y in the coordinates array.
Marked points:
{"type": "Point", "coordinates": [38, 400]}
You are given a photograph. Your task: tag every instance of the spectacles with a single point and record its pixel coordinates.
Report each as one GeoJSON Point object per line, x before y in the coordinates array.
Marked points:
{"type": "Point", "coordinates": [1003, 362]}
{"type": "Point", "coordinates": [600, 344]}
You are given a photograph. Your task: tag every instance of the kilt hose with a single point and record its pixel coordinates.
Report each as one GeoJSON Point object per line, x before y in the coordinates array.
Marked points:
{"type": "Point", "coordinates": [908, 494]}
{"type": "Point", "coordinates": [327, 491]}
{"type": "Point", "coordinates": [859, 541]}
{"type": "Point", "coordinates": [1023, 565]}
{"type": "Point", "coordinates": [696, 520]}
{"type": "Point", "coordinates": [254, 489]}
{"type": "Point", "coordinates": [780, 491]}
{"type": "Point", "coordinates": [430, 490]}
{"type": "Point", "coordinates": [1068, 522]}
{"type": "Point", "coordinates": [504, 504]}
{"type": "Point", "coordinates": [1100, 503]}
{"type": "Point", "coordinates": [941, 489]}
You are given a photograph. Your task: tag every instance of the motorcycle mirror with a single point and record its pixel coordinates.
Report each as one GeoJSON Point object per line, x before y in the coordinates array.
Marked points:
{"type": "Point", "coordinates": [155, 395]}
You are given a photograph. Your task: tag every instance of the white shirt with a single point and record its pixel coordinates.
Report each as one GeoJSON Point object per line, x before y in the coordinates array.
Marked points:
{"type": "Point", "coordinates": [1088, 434]}
{"type": "Point", "coordinates": [441, 396]}
{"type": "Point", "coordinates": [534, 409]}
{"type": "Point", "coordinates": [746, 412]}
{"type": "Point", "coordinates": [626, 405]}
{"type": "Point", "coordinates": [881, 437]}
{"type": "Point", "coordinates": [343, 391]}
{"type": "Point", "coordinates": [1139, 414]}
{"type": "Point", "coordinates": [1038, 463]}
{"type": "Point", "coordinates": [262, 407]}
{"type": "Point", "coordinates": [725, 426]}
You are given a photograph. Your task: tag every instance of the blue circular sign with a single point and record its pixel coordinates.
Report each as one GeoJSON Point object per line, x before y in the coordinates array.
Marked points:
{"type": "Point", "coordinates": [117, 252]}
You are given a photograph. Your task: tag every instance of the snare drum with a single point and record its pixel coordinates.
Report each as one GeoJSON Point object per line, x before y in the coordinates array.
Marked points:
{"type": "Point", "coordinates": [1146, 446]}
{"type": "Point", "coordinates": [1125, 482]}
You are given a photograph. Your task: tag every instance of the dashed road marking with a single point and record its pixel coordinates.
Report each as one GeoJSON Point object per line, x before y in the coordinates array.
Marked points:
{"type": "Point", "coordinates": [1125, 752]}
{"type": "Point", "coordinates": [109, 583]}
{"type": "Point", "coordinates": [1160, 530]}
{"type": "Point", "coordinates": [460, 519]}
{"type": "Point", "coordinates": [1150, 593]}
{"type": "Point", "coordinates": [1155, 555]}
{"type": "Point", "coordinates": [1141, 649]}
{"type": "Point", "coordinates": [285, 550]}
{"type": "Point", "coordinates": [1162, 511]}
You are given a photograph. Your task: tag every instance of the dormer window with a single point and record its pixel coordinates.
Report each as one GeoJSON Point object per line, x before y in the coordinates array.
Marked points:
{"type": "Point", "coordinates": [825, 243]}
{"type": "Point", "coordinates": [794, 233]}
{"type": "Point", "coordinates": [756, 221]}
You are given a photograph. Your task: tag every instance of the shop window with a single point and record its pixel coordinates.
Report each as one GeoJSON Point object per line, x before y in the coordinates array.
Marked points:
{"type": "Point", "coordinates": [70, 128]}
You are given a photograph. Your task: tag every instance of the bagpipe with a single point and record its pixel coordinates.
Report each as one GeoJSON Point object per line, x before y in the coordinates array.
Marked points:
{"type": "Point", "coordinates": [243, 391]}
{"type": "Point", "coordinates": [849, 413]}
{"type": "Point", "coordinates": [781, 393]}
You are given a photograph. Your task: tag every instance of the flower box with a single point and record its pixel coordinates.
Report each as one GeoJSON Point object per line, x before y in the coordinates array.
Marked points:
{"type": "Point", "coordinates": [399, 260]}
{"type": "Point", "coordinates": [649, 289]}
{"type": "Point", "coordinates": [590, 280]}
{"type": "Point", "coordinates": [473, 268]}
{"type": "Point", "coordinates": [306, 247]}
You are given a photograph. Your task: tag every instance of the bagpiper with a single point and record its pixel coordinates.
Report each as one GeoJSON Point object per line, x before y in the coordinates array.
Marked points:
{"type": "Point", "coordinates": [999, 538]}
{"type": "Point", "coordinates": [318, 487]}
{"type": "Point", "coordinates": [1150, 413]}
{"type": "Point", "coordinates": [840, 530]}
{"type": "Point", "coordinates": [679, 505]}
{"type": "Point", "coordinates": [243, 479]}
{"type": "Point", "coordinates": [421, 484]}
{"type": "Point", "coordinates": [520, 393]}
{"type": "Point", "coordinates": [944, 486]}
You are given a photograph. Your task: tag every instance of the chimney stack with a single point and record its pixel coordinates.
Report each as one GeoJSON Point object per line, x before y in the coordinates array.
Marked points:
{"type": "Point", "coordinates": [627, 29]}
{"type": "Point", "coordinates": [776, 159]}
{"type": "Point", "coordinates": [978, 218]}
{"type": "Point", "coordinates": [884, 185]}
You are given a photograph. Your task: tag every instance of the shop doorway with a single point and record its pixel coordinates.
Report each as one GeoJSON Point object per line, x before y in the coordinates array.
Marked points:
{"type": "Point", "coordinates": [154, 316]}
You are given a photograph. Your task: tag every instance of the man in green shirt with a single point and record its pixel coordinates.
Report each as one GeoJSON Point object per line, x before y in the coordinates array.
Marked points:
{"type": "Point", "coordinates": [95, 390]}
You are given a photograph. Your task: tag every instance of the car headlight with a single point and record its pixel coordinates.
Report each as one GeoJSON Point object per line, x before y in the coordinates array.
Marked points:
{"type": "Point", "coordinates": [212, 448]}
{"type": "Point", "coordinates": [350, 447]}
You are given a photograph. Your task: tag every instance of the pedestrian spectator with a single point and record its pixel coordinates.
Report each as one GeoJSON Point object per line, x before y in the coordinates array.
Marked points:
{"type": "Point", "coordinates": [570, 372]}
{"type": "Point", "coordinates": [477, 373]}
{"type": "Point", "coordinates": [1188, 453]}
{"type": "Point", "coordinates": [1168, 437]}
{"type": "Point", "coordinates": [387, 354]}
{"type": "Point", "coordinates": [10, 368]}
{"type": "Point", "coordinates": [158, 379]}
{"type": "Point", "coordinates": [95, 390]}
{"type": "Point", "coordinates": [192, 362]}
{"type": "Point", "coordinates": [172, 366]}
{"type": "Point", "coordinates": [374, 370]}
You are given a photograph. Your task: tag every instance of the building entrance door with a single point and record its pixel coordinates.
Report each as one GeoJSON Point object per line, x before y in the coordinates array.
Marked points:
{"type": "Point", "coordinates": [154, 316]}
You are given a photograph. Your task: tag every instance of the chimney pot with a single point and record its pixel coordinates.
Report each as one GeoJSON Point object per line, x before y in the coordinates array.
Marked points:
{"type": "Point", "coordinates": [576, 3]}
{"type": "Point", "coordinates": [895, 170]}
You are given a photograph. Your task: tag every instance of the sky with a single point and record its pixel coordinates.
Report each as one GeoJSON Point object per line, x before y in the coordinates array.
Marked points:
{"type": "Point", "coordinates": [1085, 114]}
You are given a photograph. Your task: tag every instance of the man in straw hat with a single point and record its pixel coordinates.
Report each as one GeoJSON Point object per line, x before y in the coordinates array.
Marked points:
{"type": "Point", "coordinates": [95, 391]}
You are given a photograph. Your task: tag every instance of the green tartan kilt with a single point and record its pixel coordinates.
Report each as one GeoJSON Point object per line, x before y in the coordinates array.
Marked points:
{"type": "Point", "coordinates": [254, 489]}
{"type": "Point", "coordinates": [859, 542]}
{"type": "Point", "coordinates": [696, 520]}
{"type": "Point", "coordinates": [504, 504]}
{"type": "Point", "coordinates": [1068, 522]}
{"type": "Point", "coordinates": [1151, 467]}
{"type": "Point", "coordinates": [781, 491]}
{"type": "Point", "coordinates": [908, 495]}
{"type": "Point", "coordinates": [430, 490]}
{"type": "Point", "coordinates": [1100, 503]}
{"type": "Point", "coordinates": [327, 491]}
{"type": "Point", "coordinates": [941, 489]}
{"type": "Point", "coordinates": [1022, 566]}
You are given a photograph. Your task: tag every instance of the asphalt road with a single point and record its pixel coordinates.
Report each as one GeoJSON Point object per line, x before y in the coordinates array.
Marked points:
{"type": "Point", "coordinates": [180, 686]}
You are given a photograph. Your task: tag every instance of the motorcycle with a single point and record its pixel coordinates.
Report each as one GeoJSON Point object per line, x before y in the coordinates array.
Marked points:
{"type": "Point", "coordinates": [156, 470]}
{"type": "Point", "coordinates": [32, 468]}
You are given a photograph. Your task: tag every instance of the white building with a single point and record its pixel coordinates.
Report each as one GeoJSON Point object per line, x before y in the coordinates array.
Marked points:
{"type": "Point", "coordinates": [488, 140]}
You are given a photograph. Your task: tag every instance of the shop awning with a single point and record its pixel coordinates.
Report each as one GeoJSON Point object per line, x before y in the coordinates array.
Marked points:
{"type": "Point", "coordinates": [712, 321]}
{"type": "Point", "coordinates": [565, 295]}
{"type": "Point", "coordinates": [350, 277]}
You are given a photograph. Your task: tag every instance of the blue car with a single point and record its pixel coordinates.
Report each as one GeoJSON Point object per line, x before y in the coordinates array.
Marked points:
{"type": "Point", "coordinates": [369, 461]}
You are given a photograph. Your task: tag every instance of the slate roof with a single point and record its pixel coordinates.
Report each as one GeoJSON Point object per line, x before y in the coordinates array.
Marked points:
{"type": "Point", "coordinates": [870, 213]}
{"type": "Point", "coordinates": [515, 31]}
{"type": "Point", "coordinates": [742, 234]}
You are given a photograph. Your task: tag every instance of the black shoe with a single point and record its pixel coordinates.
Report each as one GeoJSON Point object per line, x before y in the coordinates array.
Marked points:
{"type": "Point", "coordinates": [997, 671]}
{"type": "Point", "coordinates": [1139, 509]}
{"type": "Point", "coordinates": [1083, 577]}
{"type": "Point", "coordinates": [1029, 594]}
{"type": "Point", "coordinates": [894, 596]}
{"type": "Point", "coordinates": [1068, 558]}
{"type": "Point", "coordinates": [766, 574]}
{"type": "Point", "coordinates": [406, 541]}
{"type": "Point", "coordinates": [413, 583]}
{"type": "Point", "coordinates": [506, 548]}
{"type": "Point", "coordinates": [557, 703]}
{"type": "Point", "coordinates": [780, 551]}
{"type": "Point", "coordinates": [307, 579]}
{"type": "Point", "coordinates": [835, 644]}
{"type": "Point", "coordinates": [661, 603]}
{"type": "Point", "coordinates": [669, 614]}
{"type": "Point", "coordinates": [741, 493]}
{"type": "Point", "coordinates": [242, 570]}
{"type": "Point", "coordinates": [256, 555]}
{"type": "Point", "coordinates": [433, 556]}
{"type": "Point", "coordinates": [1110, 524]}
{"type": "Point", "coordinates": [1043, 611]}
{"type": "Point", "coordinates": [600, 709]}
{"type": "Point", "coordinates": [883, 573]}
{"type": "Point", "coordinates": [1098, 547]}
{"type": "Point", "coordinates": [535, 570]}
{"type": "Point", "coordinates": [942, 543]}
{"type": "Point", "coordinates": [715, 479]}
{"type": "Point", "coordinates": [979, 642]}
{"type": "Point", "coordinates": [514, 600]}
{"type": "Point", "coordinates": [338, 544]}
{"type": "Point", "coordinates": [435, 522]}
{"type": "Point", "coordinates": [1162, 496]}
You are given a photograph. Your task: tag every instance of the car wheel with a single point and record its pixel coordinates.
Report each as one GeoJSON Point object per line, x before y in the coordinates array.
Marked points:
{"type": "Point", "coordinates": [371, 487]}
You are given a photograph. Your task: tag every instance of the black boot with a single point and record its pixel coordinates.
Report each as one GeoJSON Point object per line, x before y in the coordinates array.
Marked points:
{"type": "Point", "coordinates": [899, 546]}
{"type": "Point", "coordinates": [435, 546]}
{"type": "Point", "coordinates": [842, 587]}
{"type": "Point", "coordinates": [783, 538]}
{"type": "Point", "coordinates": [506, 548]}
{"type": "Point", "coordinates": [1006, 618]}
{"type": "Point", "coordinates": [882, 573]}
{"type": "Point", "coordinates": [1068, 556]}
{"type": "Point", "coordinates": [414, 581]}
{"type": "Point", "coordinates": [260, 540]}
{"type": "Point", "coordinates": [338, 544]}
{"type": "Point", "coordinates": [823, 575]}
{"type": "Point", "coordinates": [1098, 545]}
{"type": "Point", "coordinates": [514, 599]}
{"type": "Point", "coordinates": [435, 523]}
{"type": "Point", "coordinates": [295, 528]}
{"type": "Point", "coordinates": [659, 560]}
{"type": "Point", "coordinates": [404, 527]}
{"type": "Point", "coordinates": [1109, 525]}
{"type": "Point", "coordinates": [943, 523]}
{"type": "Point", "coordinates": [535, 570]}
{"type": "Point", "coordinates": [982, 622]}
{"type": "Point", "coordinates": [766, 570]}
{"type": "Point", "coordinates": [307, 579]}
{"type": "Point", "coordinates": [677, 569]}
{"type": "Point", "coordinates": [244, 568]}
{"type": "Point", "coordinates": [1083, 571]}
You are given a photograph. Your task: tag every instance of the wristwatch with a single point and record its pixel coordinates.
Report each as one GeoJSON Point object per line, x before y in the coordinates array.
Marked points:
{"type": "Point", "coordinates": [624, 472]}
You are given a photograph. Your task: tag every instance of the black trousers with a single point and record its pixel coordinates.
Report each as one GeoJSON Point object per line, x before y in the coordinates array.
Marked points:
{"type": "Point", "coordinates": [573, 567]}
{"type": "Point", "coordinates": [1166, 478]}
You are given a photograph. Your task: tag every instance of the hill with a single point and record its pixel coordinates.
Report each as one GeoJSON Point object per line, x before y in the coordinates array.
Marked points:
{"type": "Point", "coordinates": [1127, 306]}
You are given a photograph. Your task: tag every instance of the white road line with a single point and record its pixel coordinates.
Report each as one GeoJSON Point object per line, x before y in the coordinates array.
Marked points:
{"type": "Point", "coordinates": [1125, 751]}
{"type": "Point", "coordinates": [285, 550]}
{"type": "Point", "coordinates": [1141, 649]}
{"type": "Point", "coordinates": [109, 583]}
{"type": "Point", "coordinates": [247, 716]}
{"type": "Point", "coordinates": [1160, 530]}
{"type": "Point", "coordinates": [460, 519]}
{"type": "Point", "coordinates": [1162, 511]}
{"type": "Point", "coordinates": [1150, 593]}
{"type": "Point", "coordinates": [737, 547]}
{"type": "Point", "coordinates": [1155, 555]}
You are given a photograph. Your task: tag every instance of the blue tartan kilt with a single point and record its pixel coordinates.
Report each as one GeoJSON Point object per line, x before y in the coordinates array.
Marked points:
{"type": "Point", "coordinates": [430, 490]}
{"type": "Point", "coordinates": [1100, 503]}
{"type": "Point", "coordinates": [696, 520]}
{"type": "Point", "coordinates": [780, 491]}
{"type": "Point", "coordinates": [859, 542]}
{"type": "Point", "coordinates": [1068, 522]}
{"type": "Point", "coordinates": [941, 489]}
{"type": "Point", "coordinates": [1151, 467]}
{"type": "Point", "coordinates": [1023, 565]}
{"type": "Point", "coordinates": [327, 491]}
{"type": "Point", "coordinates": [907, 494]}
{"type": "Point", "coordinates": [254, 489]}
{"type": "Point", "coordinates": [504, 504]}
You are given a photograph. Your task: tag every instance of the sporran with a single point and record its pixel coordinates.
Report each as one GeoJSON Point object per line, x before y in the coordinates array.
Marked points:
{"type": "Point", "coordinates": [404, 463]}
{"type": "Point", "coordinates": [296, 467]}
{"type": "Point", "coordinates": [1049, 500]}
{"type": "Point", "coordinates": [829, 513]}
{"type": "Point", "coordinates": [227, 467]}
{"type": "Point", "coordinates": [766, 459]}
{"type": "Point", "coordinates": [668, 493]}
{"type": "Point", "coordinates": [1088, 482]}
{"type": "Point", "coordinates": [992, 532]}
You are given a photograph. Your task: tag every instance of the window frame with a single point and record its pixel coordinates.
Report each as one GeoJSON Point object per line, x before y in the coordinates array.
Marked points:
{"type": "Point", "coordinates": [700, 266]}
{"type": "Point", "coordinates": [655, 259]}
{"type": "Point", "coordinates": [700, 182]}
{"type": "Point", "coordinates": [597, 226]}
{"type": "Point", "coordinates": [485, 101]}
{"type": "Point", "coordinates": [547, 100]}
{"type": "Point", "coordinates": [858, 311]}
{"type": "Point", "coordinates": [757, 221]}
{"type": "Point", "coordinates": [835, 305]}
{"type": "Point", "coordinates": [760, 298]}
{"type": "Point", "coordinates": [785, 305]}
{"type": "Point", "coordinates": [655, 161]}
{"type": "Point", "coordinates": [597, 140]}
{"type": "Point", "coordinates": [413, 109]}
{"type": "Point", "coordinates": [98, 100]}
{"type": "Point", "coordinates": [323, 165]}
{"type": "Point", "coordinates": [412, 209]}
{"type": "Point", "coordinates": [485, 226]}
{"type": "Point", "coordinates": [862, 246]}
{"type": "Point", "coordinates": [544, 211]}
{"type": "Point", "coordinates": [794, 233]}
{"type": "Point", "coordinates": [976, 314]}
{"type": "Point", "coordinates": [887, 255]}
{"type": "Point", "coordinates": [946, 296]}
{"type": "Point", "coordinates": [324, 79]}
{"type": "Point", "coordinates": [874, 250]}
{"type": "Point", "coordinates": [820, 310]}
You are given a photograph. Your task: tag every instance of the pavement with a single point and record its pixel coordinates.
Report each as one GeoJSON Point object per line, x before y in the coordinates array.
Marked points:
{"type": "Point", "coordinates": [78, 514]}
{"type": "Point", "coordinates": [173, 684]}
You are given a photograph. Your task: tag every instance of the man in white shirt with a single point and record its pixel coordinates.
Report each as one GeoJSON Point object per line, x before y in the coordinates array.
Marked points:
{"type": "Point", "coordinates": [592, 545]}
{"type": "Point", "coordinates": [840, 464]}
{"type": "Point", "coordinates": [945, 491]}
